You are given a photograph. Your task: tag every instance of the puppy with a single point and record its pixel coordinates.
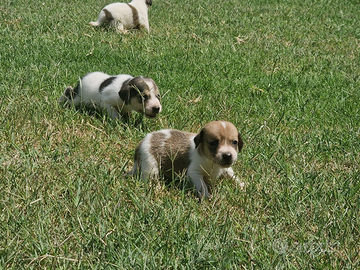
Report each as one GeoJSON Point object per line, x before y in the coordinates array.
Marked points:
{"type": "Point", "coordinates": [204, 156]}
{"type": "Point", "coordinates": [125, 16]}
{"type": "Point", "coordinates": [119, 94]}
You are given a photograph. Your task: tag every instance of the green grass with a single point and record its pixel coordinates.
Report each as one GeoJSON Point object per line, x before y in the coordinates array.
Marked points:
{"type": "Point", "coordinates": [286, 73]}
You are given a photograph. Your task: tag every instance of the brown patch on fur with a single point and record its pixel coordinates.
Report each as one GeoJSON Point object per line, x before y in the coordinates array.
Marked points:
{"type": "Point", "coordinates": [172, 154]}
{"type": "Point", "coordinates": [106, 83]}
{"type": "Point", "coordinates": [108, 15]}
{"type": "Point", "coordinates": [151, 86]}
{"type": "Point", "coordinates": [135, 17]}
{"type": "Point", "coordinates": [139, 84]}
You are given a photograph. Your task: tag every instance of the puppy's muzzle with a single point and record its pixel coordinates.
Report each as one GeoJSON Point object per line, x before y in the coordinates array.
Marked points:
{"type": "Point", "coordinates": [154, 112]}
{"type": "Point", "coordinates": [156, 109]}
{"type": "Point", "coordinates": [226, 159]}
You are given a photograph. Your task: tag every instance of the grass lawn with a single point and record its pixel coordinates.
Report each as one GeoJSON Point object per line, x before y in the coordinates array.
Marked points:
{"type": "Point", "coordinates": [286, 73]}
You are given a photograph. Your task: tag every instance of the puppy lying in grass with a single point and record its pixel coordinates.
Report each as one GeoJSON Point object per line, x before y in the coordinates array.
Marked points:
{"type": "Point", "coordinates": [119, 95]}
{"type": "Point", "coordinates": [125, 16]}
{"type": "Point", "coordinates": [204, 156]}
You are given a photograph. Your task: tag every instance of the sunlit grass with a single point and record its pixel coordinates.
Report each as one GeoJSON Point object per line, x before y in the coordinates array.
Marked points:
{"type": "Point", "coordinates": [286, 73]}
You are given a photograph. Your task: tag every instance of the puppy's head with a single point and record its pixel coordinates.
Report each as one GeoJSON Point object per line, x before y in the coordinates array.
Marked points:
{"type": "Point", "coordinates": [219, 141]}
{"type": "Point", "coordinates": [142, 94]}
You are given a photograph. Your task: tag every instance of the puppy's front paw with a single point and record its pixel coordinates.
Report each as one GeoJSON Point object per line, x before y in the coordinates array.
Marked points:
{"type": "Point", "coordinates": [94, 23]}
{"type": "Point", "coordinates": [203, 196]}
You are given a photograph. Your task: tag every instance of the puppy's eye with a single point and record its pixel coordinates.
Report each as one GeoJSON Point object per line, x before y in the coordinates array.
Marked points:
{"type": "Point", "coordinates": [143, 98]}
{"type": "Point", "coordinates": [214, 143]}
{"type": "Point", "coordinates": [158, 96]}
{"type": "Point", "coordinates": [235, 143]}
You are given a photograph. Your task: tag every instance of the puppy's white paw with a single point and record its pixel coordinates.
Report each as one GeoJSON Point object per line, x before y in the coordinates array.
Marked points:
{"type": "Point", "coordinates": [94, 23]}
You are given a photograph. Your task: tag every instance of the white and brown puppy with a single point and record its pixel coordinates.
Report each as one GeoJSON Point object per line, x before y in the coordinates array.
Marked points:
{"type": "Point", "coordinates": [119, 94]}
{"type": "Point", "coordinates": [125, 16]}
{"type": "Point", "coordinates": [204, 156]}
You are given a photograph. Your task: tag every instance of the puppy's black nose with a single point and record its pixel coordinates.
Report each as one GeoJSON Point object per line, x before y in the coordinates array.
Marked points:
{"type": "Point", "coordinates": [155, 109]}
{"type": "Point", "coordinates": [227, 156]}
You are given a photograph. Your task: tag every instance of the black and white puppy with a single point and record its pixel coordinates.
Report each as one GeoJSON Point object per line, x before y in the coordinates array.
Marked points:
{"type": "Point", "coordinates": [125, 16]}
{"type": "Point", "coordinates": [204, 156]}
{"type": "Point", "coordinates": [119, 94]}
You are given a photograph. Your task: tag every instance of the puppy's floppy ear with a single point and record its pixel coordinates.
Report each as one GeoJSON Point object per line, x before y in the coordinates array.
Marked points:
{"type": "Point", "coordinates": [124, 92]}
{"type": "Point", "coordinates": [198, 138]}
{"type": "Point", "coordinates": [240, 142]}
